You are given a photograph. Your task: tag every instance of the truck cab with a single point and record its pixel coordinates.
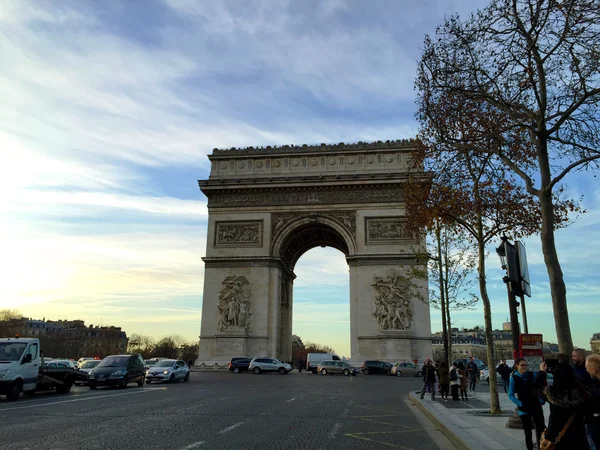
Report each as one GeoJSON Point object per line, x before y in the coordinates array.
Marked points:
{"type": "Point", "coordinates": [19, 366]}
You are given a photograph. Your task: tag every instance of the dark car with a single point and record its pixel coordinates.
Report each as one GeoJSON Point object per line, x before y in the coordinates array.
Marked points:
{"type": "Point", "coordinates": [238, 365]}
{"type": "Point", "coordinates": [370, 367]}
{"type": "Point", "coordinates": [118, 370]}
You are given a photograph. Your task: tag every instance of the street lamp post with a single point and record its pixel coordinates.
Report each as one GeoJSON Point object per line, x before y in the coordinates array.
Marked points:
{"type": "Point", "coordinates": [507, 253]}
{"type": "Point", "coordinates": [508, 256]}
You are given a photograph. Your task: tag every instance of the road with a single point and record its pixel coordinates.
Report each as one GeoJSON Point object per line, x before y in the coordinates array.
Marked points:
{"type": "Point", "coordinates": [225, 411]}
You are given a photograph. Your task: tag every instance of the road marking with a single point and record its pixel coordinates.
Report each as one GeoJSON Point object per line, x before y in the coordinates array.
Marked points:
{"type": "Point", "coordinates": [232, 427]}
{"type": "Point", "coordinates": [291, 399]}
{"type": "Point", "coordinates": [138, 391]}
{"type": "Point", "coordinates": [192, 445]}
{"type": "Point", "coordinates": [334, 430]}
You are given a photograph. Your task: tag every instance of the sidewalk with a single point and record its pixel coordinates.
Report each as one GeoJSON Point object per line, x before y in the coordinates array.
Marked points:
{"type": "Point", "coordinates": [468, 431]}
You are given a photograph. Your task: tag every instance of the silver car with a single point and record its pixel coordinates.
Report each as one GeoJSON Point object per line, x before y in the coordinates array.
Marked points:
{"type": "Point", "coordinates": [87, 367]}
{"type": "Point", "coordinates": [260, 365]}
{"type": "Point", "coordinates": [406, 368]}
{"type": "Point", "coordinates": [170, 370]}
{"type": "Point", "coordinates": [333, 367]}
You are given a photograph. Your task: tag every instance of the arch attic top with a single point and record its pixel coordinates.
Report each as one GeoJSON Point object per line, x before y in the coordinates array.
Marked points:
{"type": "Point", "coordinates": [289, 162]}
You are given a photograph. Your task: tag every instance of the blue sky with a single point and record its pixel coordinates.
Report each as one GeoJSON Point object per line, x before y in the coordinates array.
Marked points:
{"type": "Point", "coordinates": [109, 110]}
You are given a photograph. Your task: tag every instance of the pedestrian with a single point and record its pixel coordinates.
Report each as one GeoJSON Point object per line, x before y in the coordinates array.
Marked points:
{"type": "Point", "coordinates": [444, 380]}
{"type": "Point", "coordinates": [428, 379]}
{"type": "Point", "coordinates": [569, 402]}
{"type": "Point", "coordinates": [472, 370]}
{"type": "Point", "coordinates": [592, 365]}
{"type": "Point", "coordinates": [504, 372]}
{"type": "Point", "coordinates": [462, 375]}
{"type": "Point", "coordinates": [190, 363]}
{"type": "Point", "coordinates": [454, 381]}
{"type": "Point", "coordinates": [300, 364]}
{"type": "Point", "coordinates": [581, 375]}
{"type": "Point", "coordinates": [521, 393]}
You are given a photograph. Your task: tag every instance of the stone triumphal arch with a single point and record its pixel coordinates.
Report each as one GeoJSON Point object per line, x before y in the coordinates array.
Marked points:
{"type": "Point", "coordinates": [268, 206]}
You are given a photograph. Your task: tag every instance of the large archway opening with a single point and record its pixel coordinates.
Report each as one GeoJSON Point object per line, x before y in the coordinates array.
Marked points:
{"type": "Point", "coordinates": [321, 309]}
{"type": "Point", "coordinates": [315, 298]}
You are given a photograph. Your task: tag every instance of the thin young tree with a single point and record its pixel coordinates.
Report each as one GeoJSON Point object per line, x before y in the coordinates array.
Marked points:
{"type": "Point", "coordinates": [538, 63]}
{"type": "Point", "coordinates": [450, 268]}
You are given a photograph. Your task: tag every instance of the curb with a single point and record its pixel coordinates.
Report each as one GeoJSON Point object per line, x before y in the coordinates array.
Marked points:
{"type": "Point", "coordinates": [450, 435]}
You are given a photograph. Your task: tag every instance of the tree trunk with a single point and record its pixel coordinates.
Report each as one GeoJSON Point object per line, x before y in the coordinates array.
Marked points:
{"type": "Point", "coordinates": [487, 315]}
{"type": "Point", "coordinates": [558, 289]}
{"type": "Point", "coordinates": [449, 327]}
{"type": "Point", "coordinates": [442, 292]}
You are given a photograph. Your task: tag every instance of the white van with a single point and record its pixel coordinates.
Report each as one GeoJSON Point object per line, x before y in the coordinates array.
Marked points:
{"type": "Point", "coordinates": [314, 359]}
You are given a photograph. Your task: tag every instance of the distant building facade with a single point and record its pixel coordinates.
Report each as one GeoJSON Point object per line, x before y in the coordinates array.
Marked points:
{"type": "Point", "coordinates": [473, 343]}
{"type": "Point", "coordinates": [69, 338]}
{"type": "Point", "coordinates": [595, 343]}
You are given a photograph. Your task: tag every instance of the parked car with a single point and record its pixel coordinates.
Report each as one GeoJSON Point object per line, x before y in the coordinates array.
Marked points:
{"type": "Point", "coordinates": [259, 365]}
{"type": "Point", "coordinates": [333, 367]}
{"type": "Point", "coordinates": [87, 367]}
{"type": "Point", "coordinates": [370, 367]}
{"type": "Point", "coordinates": [314, 359]}
{"type": "Point", "coordinates": [406, 369]}
{"type": "Point", "coordinates": [238, 365]}
{"type": "Point", "coordinates": [65, 363]}
{"type": "Point", "coordinates": [170, 370]}
{"type": "Point", "coordinates": [81, 360]}
{"type": "Point", "coordinates": [118, 370]}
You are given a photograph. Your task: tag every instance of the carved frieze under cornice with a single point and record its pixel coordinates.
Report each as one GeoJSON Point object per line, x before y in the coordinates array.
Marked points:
{"type": "Point", "coordinates": [388, 194]}
{"type": "Point", "coordinates": [238, 234]}
{"type": "Point", "coordinates": [387, 230]}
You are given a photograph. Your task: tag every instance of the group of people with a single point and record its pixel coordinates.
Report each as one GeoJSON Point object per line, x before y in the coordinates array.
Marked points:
{"type": "Point", "coordinates": [574, 396]}
{"type": "Point", "coordinates": [452, 380]}
{"type": "Point", "coordinates": [574, 399]}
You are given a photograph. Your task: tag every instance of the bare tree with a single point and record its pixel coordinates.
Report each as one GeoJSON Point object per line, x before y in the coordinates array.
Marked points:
{"type": "Point", "coordinates": [536, 62]}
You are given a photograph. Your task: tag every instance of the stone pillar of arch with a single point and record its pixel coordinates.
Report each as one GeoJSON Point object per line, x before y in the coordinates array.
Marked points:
{"type": "Point", "coordinates": [267, 207]}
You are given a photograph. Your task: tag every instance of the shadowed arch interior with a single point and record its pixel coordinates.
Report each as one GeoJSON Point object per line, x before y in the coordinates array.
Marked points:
{"type": "Point", "coordinates": [308, 237]}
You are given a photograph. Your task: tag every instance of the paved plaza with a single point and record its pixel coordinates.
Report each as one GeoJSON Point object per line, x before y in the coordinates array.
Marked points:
{"type": "Point", "coordinates": [227, 411]}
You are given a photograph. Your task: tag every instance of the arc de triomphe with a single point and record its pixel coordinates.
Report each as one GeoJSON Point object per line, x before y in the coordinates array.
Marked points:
{"type": "Point", "coordinates": [268, 206]}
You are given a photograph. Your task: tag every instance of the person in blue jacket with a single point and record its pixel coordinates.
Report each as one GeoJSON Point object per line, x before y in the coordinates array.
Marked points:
{"type": "Point", "coordinates": [521, 393]}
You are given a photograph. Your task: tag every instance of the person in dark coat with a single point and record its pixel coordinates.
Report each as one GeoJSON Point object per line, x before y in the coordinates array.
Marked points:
{"type": "Point", "coordinates": [444, 380]}
{"type": "Point", "coordinates": [581, 375]}
{"type": "Point", "coordinates": [592, 365]}
{"type": "Point", "coordinates": [462, 374]}
{"type": "Point", "coordinates": [300, 365]}
{"type": "Point", "coordinates": [567, 398]}
{"type": "Point", "coordinates": [504, 372]}
{"type": "Point", "coordinates": [428, 379]}
{"type": "Point", "coordinates": [522, 393]}
{"type": "Point", "coordinates": [473, 371]}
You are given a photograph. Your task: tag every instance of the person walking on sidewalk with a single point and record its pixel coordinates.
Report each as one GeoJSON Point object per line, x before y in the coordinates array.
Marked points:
{"type": "Point", "coordinates": [569, 402]}
{"type": "Point", "coordinates": [444, 380]}
{"type": "Point", "coordinates": [504, 372]}
{"type": "Point", "coordinates": [472, 370]}
{"type": "Point", "coordinates": [454, 381]}
{"type": "Point", "coordinates": [428, 379]}
{"type": "Point", "coordinates": [592, 365]}
{"type": "Point", "coordinates": [521, 393]}
{"type": "Point", "coordinates": [462, 374]}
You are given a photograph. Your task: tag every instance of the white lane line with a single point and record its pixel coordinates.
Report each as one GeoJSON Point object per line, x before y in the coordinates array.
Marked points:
{"type": "Point", "coordinates": [139, 391]}
{"type": "Point", "coordinates": [291, 399]}
{"type": "Point", "coordinates": [192, 445]}
{"type": "Point", "coordinates": [334, 430]}
{"type": "Point", "coordinates": [232, 427]}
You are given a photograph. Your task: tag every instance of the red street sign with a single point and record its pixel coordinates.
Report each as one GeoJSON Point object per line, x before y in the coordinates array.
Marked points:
{"type": "Point", "coordinates": [530, 345]}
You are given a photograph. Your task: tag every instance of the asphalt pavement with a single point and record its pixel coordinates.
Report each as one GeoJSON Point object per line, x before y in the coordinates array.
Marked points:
{"type": "Point", "coordinates": [226, 411]}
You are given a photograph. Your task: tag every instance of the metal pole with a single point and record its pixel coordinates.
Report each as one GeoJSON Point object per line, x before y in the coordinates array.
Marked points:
{"type": "Point", "coordinates": [524, 314]}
